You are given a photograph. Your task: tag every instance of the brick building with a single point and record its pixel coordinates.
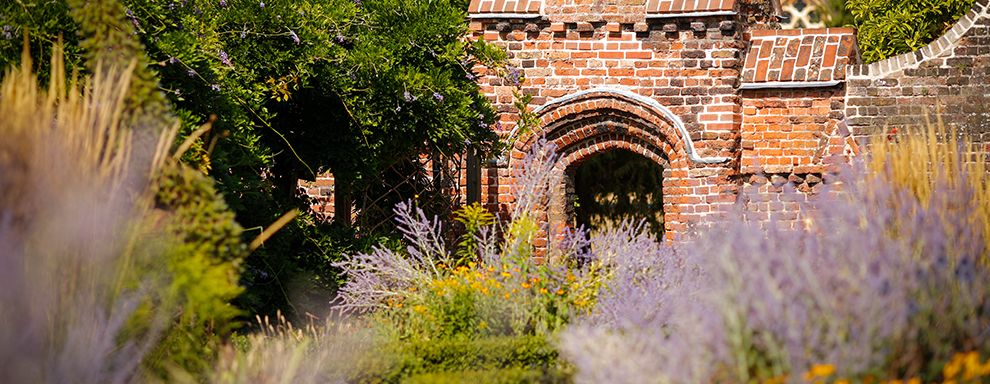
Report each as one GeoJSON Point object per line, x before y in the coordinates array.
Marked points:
{"type": "Point", "coordinates": [713, 92]}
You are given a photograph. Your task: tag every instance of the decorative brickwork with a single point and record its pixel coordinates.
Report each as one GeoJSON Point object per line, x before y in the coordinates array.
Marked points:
{"type": "Point", "coordinates": [731, 109]}
{"type": "Point", "coordinates": [800, 55]}
{"type": "Point", "coordinates": [497, 7]}
{"type": "Point", "coordinates": [689, 6]}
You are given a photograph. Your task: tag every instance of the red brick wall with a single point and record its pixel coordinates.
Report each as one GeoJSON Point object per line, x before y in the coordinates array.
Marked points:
{"type": "Point", "coordinates": [791, 130]}
{"type": "Point", "coordinates": [689, 66]}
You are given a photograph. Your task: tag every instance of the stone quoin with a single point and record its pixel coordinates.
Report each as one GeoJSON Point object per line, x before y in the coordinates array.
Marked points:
{"type": "Point", "coordinates": [730, 106]}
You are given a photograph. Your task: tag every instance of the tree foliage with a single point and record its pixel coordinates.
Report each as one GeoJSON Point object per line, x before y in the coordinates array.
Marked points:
{"type": "Point", "coordinates": [298, 88]}
{"type": "Point", "coordinates": [892, 27]}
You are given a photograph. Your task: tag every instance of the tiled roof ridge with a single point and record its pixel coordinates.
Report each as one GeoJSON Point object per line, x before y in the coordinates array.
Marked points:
{"type": "Point", "coordinates": [689, 6]}
{"type": "Point", "coordinates": [505, 7]}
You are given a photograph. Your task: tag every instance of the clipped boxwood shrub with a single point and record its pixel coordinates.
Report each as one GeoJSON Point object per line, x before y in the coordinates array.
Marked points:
{"type": "Point", "coordinates": [495, 376]}
{"type": "Point", "coordinates": [516, 357]}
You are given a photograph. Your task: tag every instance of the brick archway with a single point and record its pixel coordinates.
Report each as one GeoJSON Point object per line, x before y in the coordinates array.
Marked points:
{"type": "Point", "coordinates": [588, 123]}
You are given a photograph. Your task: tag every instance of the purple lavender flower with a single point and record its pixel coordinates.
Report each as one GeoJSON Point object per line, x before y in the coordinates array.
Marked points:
{"type": "Point", "coordinates": [172, 60]}
{"type": "Point", "coordinates": [133, 19]}
{"type": "Point", "coordinates": [340, 39]}
{"type": "Point", "coordinates": [191, 72]}
{"type": "Point", "coordinates": [243, 33]}
{"type": "Point", "coordinates": [408, 97]}
{"type": "Point", "coordinates": [470, 76]}
{"type": "Point", "coordinates": [223, 3]}
{"type": "Point", "coordinates": [514, 76]}
{"type": "Point", "coordinates": [295, 37]}
{"type": "Point", "coordinates": [262, 5]}
{"type": "Point", "coordinates": [8, 32]}
{"type": "Point", "coordinates": [215, 87]}
{"type": "Point", "coordinates": [438, 97]}
{"type": "Point", "coordinates": [225, 59]}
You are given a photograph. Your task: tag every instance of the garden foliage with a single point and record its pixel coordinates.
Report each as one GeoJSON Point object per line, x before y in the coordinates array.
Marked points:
{"type": "Point", "coordinates": [888, 28]}
{"type": "Point", "coordinates": [96, 291]}
{"type": "Point", "coordinates": [887, 279]}
{"type": "Point", "coordinates": [297, 88]}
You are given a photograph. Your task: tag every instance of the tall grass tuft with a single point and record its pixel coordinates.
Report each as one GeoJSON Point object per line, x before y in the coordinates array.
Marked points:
{"type": "Point", "coordinates": [71, 199]}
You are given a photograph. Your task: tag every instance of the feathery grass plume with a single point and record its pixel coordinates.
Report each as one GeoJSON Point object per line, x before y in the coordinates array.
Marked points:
{"type": "Point", "coordinates": [941, 179]}
{"type": "Point", "coordinates": [882, 280]}
{"type": "Point", "coordinates": [72, 199]}
{"type": "Point", "coordinates": [935, 157]}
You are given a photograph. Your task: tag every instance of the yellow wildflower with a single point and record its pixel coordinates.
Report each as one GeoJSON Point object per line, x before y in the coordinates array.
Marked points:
{"type": "Point", "coordinates": [819, 371]}
{"type": "Point", "coordinates": [506, 274]}
{"type": "Point", "coordinates": [419, 308]}
{"type": "Point", "coordinates": [776, 380]}
{"type": "Point", "coordinates": [526, 285]}
{"type": "Point", "coordinates": [560, 292]}
{"type": "Point", "coordinates": [543, 291]}
{"type": "Point", "coordinates": [952, 369]}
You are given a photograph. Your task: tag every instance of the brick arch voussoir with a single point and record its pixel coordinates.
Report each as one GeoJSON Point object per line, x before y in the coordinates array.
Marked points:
{"type": "Point", "coordinates": [592, 114]}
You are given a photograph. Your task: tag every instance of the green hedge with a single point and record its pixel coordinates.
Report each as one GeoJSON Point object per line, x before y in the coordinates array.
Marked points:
{"type": "Point", "coordinates": [513, 359]}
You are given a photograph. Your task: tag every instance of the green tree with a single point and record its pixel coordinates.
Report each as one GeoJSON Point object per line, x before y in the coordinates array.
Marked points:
{"type": "Point", "coordinates": [892, 27]}
{"type": "Point", "coordinates": [298, 88]}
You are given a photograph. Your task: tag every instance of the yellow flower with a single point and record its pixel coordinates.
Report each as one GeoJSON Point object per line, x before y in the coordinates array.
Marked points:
{"type": "Point", "coordinates": [526, 285]}
{"type": "Point", "coordinates": [951, 370]}
{"type": "Point", "coordinates": [776, 380]}
{"type": "Point", "coordinates": [560, 292]}
{"type": "Point", "coordinates": [972, 363]}
{"type": "Point", "coordinates": [819, 370]}
{"type": "Point", "coordinates": [543, 291]}
{"type": "Point", "coordinates": [419, 309]}
{"type": "Point", "coordinates": [506, 295]}
{"type": "Point", "coordinates": [506, 274]}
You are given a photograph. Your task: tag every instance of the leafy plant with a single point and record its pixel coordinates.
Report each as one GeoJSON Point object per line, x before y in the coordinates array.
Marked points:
{"type": "Point", "coordinates": [889, 28]}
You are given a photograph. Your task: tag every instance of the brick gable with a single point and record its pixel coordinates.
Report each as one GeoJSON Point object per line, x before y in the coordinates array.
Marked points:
{"type": "Point", "coordinates": [800, 55]}
{"type": "Point", "coordinates": [496, 7]}
{"type": "Point", "coordinates": [689, 6]}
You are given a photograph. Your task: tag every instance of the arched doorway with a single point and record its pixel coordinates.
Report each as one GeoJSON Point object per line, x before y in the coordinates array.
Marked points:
{"type": "Point", "coordinates": [616, 185]}
{"type": "Point", "coordinates": [588, 123]}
